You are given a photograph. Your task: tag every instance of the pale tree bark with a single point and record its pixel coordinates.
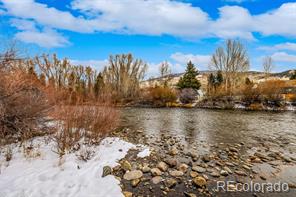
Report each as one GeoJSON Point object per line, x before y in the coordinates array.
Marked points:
{"type": "Point", "coordinates": [233, 61]}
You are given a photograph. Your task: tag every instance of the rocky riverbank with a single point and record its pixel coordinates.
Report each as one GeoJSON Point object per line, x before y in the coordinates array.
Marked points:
{"type": "Point", "coordinates": [175, 169]}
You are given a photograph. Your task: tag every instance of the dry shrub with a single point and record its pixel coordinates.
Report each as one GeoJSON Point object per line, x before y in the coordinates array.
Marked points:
{"type": "Point", "coordinates": [160, 96]}
{"type": "Point", "coordinates": [271, 89]}
{"type": "Point", "coordinates": [82, 122]}
{"type": "Point", "coordinates": [23, 106]}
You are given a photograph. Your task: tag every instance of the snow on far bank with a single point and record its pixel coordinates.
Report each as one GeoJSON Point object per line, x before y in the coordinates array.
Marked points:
{"type": "Point", "coordinates": [48, 176]}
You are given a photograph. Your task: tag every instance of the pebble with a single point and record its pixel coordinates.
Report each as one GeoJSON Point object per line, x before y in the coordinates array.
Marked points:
{"type": "Point", "coordinates": [174, 151]}
{"type": "Point", "coordinates": [162, 166]}
{"type": "Point", "coordinates": [206, 158]}
{"type": "Point", "coordinates": [156, 179]}
{"type": "Point", "coordinates": [170, 183]}
{"type": "Point", "coordinates": [215, 174]}
{"type": "Point", "coordinates": [131, 175]}
{"type": "Point", "coordinates": [135, 182]}
{"type": "Point", "coordinates": [224, 173]}
{"type": "Point", "coordinates": [176, 173]}
{"type": "Point", "coordinates": [171, 162]}
{"type": "Point", "coordinates": [241, 173]}
{"type": "Point", "coordinates": [193, 174]}
{"type": "Point", "coordinates": [189, 194]}
{"type": "Point", "coordinates": [227, 169]}
{"type": "Point", "coordinates": [183, 167]}
{"type": "Point", "coordinates": [155, 172]}
{"type": "Point", "coordinates": [126, 165]}
{"type": "Point", "coordinates": [107, 170]}
{"type": "Point", "coordinates": [199, 181]}
{"type": "Point", "coordinates": [198, 169]}
{"type": "Point", "coordinates": [127, 194]}
{"type": "Point", "coordinates": [146, 168]}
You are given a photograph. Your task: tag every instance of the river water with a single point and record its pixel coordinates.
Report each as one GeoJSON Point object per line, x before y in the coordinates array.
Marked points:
{"type": "Point", "coordinates": [208, 131]}
{"type": "Point", "coordinates": [213, 126]}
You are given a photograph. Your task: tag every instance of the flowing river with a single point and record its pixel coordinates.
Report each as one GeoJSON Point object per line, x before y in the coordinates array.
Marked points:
{"type": "Point", "coordinates": [211, 132]}
{"type": "Point", "coordinates": [213, 126]}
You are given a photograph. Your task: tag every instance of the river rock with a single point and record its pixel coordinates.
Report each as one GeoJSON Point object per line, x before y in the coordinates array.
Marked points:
{"type": "Point", "coordinates": [224, 173]}
{"type": "Point", "coordinates": [199, 181]}
{"type": "Point", "coordinates": [155, 172]}
{"type": "Point", "coordinates": [287, 158]}
{"type": "Point", "coordinates": [135, 182]}
{"type": "Point", "coordinates": [146, 168]}
{"type": "Point", "coordinates": [241, 173]}
{"type": "Point", "coordinates": [176, 173]}
{"type": "Point", "coordinates": [189, 194]}
{"type": "Point", "coordinates": [170, 183]}
{"type": "Point", "coordinates": [193, 174]}
{"type": "Point", "coordinates": [206, 158]}
{"type": "Point", "coordinates": [227, 169]}
{"type": "Point", "coordinates": [261, 155]}
{"type": "Point", "coordinates": [162, 166]}
{"type": "Point", "coordinates": [246, 167]}
{"type": "Point", "coordinates": [107, 170]}
{"type": "Point", "coordinates": [229, 164]}
{"type": "Point", "coordinates": [131, 175]}
{"type": "Point", "coordinates": [171, 162]}
{"type": "Point", "coordinates": [232, 149]}
{"type": "Point", "coordinates": [256, 160]}
{"type": "Point", "coordinates": [126, 165]}
{"type": "Point", "coordinates": [156, 180]}
{"type": "Point", "coordinates": [215, 174]}
{"type": "Point", "coordinates": [127, 194]}
{"type": "Point", "coordinates": [173, 151]}
{"type": "Point", "coordinates": [199, 169]}
{"type": "Point", "coordinates": [183, 167]}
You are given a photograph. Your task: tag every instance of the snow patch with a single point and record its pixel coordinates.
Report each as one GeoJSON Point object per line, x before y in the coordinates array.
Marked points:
{"type": "Point", "coordinates": [48, 176]}
{"type": "Point", "coordinates": [144, 153]}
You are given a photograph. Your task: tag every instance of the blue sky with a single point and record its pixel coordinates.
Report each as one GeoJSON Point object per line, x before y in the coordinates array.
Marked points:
{"type": "Point", "coordinates": [88, 31]}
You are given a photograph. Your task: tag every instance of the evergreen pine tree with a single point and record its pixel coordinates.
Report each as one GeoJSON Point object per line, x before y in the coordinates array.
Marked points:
{"type": "Point", "coordinates": [99, 83]}
{"type": "Point", "coordinates": [189, 78]}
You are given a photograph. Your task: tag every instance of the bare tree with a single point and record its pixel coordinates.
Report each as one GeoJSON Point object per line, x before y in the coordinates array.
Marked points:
{"type": "Point", "coordinates": [232, 60]}
{"type": "Point", "coordinates": [268, 65]}
{"type": "Point", "coordinates": [164, 69]}
{"type": "Point", "coordinates": [165, 72]}
{"type": "Point", "coordinates": [123, 75]}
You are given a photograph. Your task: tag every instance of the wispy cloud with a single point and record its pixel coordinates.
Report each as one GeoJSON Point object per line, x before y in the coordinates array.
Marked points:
{"type": "Point", "coordinates": [284, 57]}
{"type": "Point", "coordinates": [283, 46]}
{"type": "Point", "coordinates": [201, 61]}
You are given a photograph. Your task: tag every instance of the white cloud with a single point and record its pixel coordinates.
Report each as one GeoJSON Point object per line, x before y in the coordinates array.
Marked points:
{"type": "Point", "coordinates": [156, 17]}
{"type": "Point", "coordinates": [283, 46]}
{"type": "Point", "coordinates": [24, 25]}
{"type": "Point", "coordinates": [284, 57]}
{"type": "Point", "coordinates": [147, 17]}
{"type": "Point", "coordinates": [280, 21]}
{"type": "Point", "coordinates": [48, 38]}
{"type": "Point", "coordinates": [96, 64]}
{"type": "Point", "coordinates": [200, 61]}
{"type": "Point", "coordinates": [234, 22]}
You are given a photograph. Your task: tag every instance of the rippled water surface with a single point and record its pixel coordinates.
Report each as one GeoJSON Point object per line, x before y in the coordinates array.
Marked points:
{"type": "Point", "coordinates": [212, 126]}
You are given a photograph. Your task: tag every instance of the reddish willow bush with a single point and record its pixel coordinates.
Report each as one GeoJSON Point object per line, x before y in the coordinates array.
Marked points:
{"type": "Point", "coordinates": [88, 122]}
{"type": "Point", "coordinates": [23, 106]}
{"type": "Point", "coordinates": [27, 104]}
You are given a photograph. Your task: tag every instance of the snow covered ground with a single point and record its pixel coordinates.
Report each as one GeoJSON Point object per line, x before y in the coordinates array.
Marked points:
{"type": "Point", "coordinates": [44, 174]}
